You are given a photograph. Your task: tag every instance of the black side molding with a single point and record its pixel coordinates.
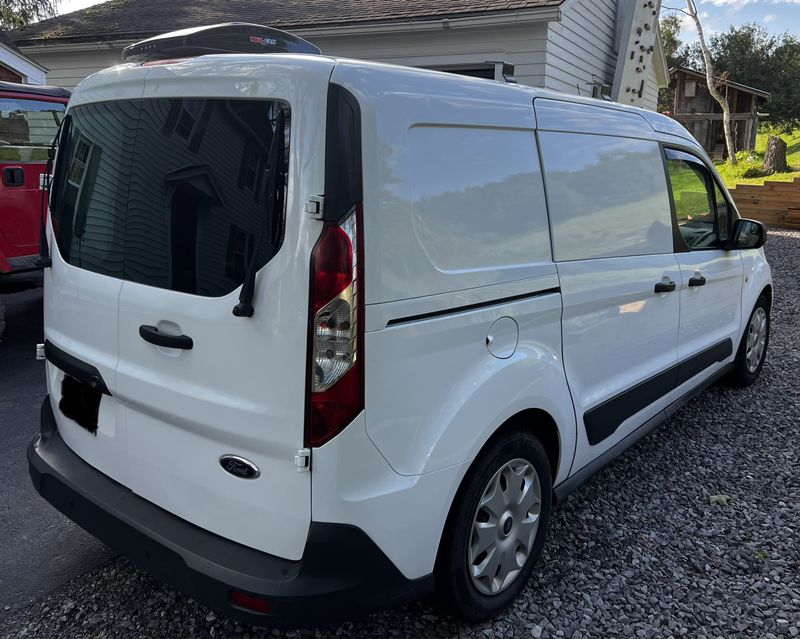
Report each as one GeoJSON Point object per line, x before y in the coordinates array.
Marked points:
{"type": "Point", "coordinates": [472, 307]}
{"type": "Point", "coordinates": [602, 421]}
{"type": "Point", "coordinates": [74, 367]}
{"type": "Point", "coordinates": [577, 479]}
{"type": "Point", "coordinates": [688, 368]}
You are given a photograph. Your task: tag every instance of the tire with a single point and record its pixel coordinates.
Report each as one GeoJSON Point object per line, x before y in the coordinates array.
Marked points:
{"type": "Point", "coordinates": [746, 368]}
{"type": "Point", "coordinates": [508, 526]}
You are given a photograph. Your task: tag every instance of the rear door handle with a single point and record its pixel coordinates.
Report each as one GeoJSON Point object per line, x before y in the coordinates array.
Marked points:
{"type": "Point", "coordinates": [151, 334]}
{"type": "Point", "coordinates": [665, 287]}
{"type": "Point", "coordinates": [697, 280]}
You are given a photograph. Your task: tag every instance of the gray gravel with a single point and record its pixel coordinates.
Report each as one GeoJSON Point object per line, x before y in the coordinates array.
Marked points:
{"type": "Point", "coordinates": [640, 551]}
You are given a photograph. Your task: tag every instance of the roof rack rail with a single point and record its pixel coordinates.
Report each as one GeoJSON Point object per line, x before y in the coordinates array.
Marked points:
{"type": "Point", "coordinates": [230, 37]}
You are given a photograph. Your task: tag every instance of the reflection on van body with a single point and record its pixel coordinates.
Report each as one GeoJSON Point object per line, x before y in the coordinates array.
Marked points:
{"type": "Point", "coordinates": [186, 213]}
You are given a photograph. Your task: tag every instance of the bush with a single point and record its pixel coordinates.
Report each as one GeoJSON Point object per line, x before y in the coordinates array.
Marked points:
{"type": "Point", "coordinates": [747, 166]}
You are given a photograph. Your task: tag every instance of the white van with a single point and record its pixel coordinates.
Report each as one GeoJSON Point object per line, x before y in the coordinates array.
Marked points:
{"type": "Point", "coordinates": [324, 335]}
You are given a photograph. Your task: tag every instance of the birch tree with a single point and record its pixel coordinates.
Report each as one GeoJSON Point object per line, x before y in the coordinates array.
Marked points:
{"type": "Point", "coordinates": [712, 88]}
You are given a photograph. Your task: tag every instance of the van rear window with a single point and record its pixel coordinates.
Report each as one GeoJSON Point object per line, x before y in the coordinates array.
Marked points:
{"type": "Point", "coordinates": [172, 193]}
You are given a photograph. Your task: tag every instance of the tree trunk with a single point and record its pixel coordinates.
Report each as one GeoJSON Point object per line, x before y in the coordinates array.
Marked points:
{"type": "Point", "coordinates": [721, 99]}
{"type": "Point", "coordinates": [775, 157]}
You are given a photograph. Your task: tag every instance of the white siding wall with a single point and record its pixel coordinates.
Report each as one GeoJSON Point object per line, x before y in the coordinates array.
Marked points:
{"type": "Point", "coordinates": [561, 55]}
{"type": "Point", "coordinates": [650, 88]}
{"type": "Point", "coordinates": [67, 68]}
{"type": "Point", "coordinates": [581, 47]}
{"type": "Point", "coordinates": [523, 45]}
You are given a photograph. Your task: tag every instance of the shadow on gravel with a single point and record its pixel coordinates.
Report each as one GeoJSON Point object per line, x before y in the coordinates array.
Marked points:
{"type": "Point", "coordinates": [639, 551]}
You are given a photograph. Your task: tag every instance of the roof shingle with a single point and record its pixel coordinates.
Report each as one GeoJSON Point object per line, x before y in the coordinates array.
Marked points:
{"type": "Point", "coordinates": [131, 19]}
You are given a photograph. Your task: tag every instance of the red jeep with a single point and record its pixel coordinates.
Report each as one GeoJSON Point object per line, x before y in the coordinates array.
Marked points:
{"type": "Point", "coordinates": [29, 119]}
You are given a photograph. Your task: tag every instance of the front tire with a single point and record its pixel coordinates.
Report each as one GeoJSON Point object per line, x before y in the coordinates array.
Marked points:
{"type": "Point", "coordinates": [753, 349]}
{"type": "Point", "coordinates": [497, 527]}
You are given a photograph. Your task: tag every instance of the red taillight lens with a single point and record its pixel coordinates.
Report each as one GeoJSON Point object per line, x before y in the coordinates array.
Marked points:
{"type": "Point", "coordinates": [336, 378]}
{"type": "Point", "coordinates": [250, 602]}
{"type": "Point", "coordinates": [332, 265]}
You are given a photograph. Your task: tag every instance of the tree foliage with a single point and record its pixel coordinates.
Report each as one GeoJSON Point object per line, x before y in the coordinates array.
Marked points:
{"type": "Point", "coordinates": [18, 13]}
{"type": "Point", "coordinates": [670, 31]}
{"type": "Point", "coordinates": [669, 26]}
{"type": "Point", "coordinates": [752, 56]}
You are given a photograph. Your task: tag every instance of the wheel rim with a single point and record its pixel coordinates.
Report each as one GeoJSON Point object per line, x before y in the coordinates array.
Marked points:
{"type": "Point", "coordinates": [504, 527]}
{"type": "Point", "coordinates": [756, 339]}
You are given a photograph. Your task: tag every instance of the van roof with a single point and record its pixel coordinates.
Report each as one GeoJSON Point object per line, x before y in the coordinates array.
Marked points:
{"type": "Point", "coordinates": [502, 91]}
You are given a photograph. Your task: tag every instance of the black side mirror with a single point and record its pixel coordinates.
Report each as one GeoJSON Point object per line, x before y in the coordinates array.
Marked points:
{"type": "Point", "coordinates": [748, 234]}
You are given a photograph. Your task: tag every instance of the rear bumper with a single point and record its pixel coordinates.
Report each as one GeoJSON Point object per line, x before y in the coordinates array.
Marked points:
{"type": "Point", "coordinates": [342, 572]}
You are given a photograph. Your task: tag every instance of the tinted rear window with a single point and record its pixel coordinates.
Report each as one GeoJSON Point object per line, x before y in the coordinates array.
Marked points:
{"type": "Point", "coordinates": [27, 128]}
{"type": "Point", "coordinates": [172, 193]}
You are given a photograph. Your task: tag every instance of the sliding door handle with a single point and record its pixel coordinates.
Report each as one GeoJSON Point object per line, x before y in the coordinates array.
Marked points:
{"type": "Point", "coordinates": [697, 280]}
{"type": "Point", "coordinates": [665, 287]}
{"type": "Point", "coordinates": [151, 334]}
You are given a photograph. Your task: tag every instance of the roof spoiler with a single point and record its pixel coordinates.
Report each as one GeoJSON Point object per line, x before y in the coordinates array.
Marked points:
{"type": "Point", "coordinates": [230, 37]}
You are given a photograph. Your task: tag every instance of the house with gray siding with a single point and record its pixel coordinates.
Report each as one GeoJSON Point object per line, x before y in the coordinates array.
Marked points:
{"type": "Point", "coordinates": [586, 47]}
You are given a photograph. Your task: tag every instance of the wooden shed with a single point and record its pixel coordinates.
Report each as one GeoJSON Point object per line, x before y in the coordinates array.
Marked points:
{"type": "Point", "coordinates": [694, 107]}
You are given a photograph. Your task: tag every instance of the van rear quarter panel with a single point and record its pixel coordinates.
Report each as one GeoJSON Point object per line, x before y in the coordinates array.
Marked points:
{"type": "Point", "coordinates": [454, 216]}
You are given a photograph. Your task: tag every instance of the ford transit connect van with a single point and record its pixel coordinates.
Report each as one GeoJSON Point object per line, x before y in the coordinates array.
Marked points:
{"type": "Point", "coordinates": [324, 335]}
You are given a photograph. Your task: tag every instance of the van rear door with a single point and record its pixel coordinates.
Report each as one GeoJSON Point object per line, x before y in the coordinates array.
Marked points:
{"type": "Point", "coordinates": [214, 183]}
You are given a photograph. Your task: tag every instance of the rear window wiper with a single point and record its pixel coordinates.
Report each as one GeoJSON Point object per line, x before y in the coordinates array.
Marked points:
{"type": "Point", "coordinates": [274, 182]}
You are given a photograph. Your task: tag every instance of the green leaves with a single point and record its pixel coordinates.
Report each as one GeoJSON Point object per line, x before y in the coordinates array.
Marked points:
{"type": "Point", "coordinates": [18, 13]}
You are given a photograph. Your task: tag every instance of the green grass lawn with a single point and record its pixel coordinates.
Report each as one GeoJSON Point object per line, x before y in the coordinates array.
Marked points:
{"type": "Point", "coordinates": [747, 171]}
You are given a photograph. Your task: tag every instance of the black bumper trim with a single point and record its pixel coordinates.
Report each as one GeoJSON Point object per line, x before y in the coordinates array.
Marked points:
{"type": "Point", "coordinates": [342, 572]}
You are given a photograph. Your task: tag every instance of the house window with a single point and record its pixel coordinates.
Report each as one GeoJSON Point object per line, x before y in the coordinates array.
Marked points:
{"type": "Point", "coordinates": [79, 161]}
{"type": "Point", "coordinates": [188, 117]}
{"type": "Point", "coordinates": [690, 89]}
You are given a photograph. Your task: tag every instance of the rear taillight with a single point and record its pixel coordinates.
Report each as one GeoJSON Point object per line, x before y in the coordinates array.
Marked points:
{"type": "Point", "coordinates": [336, 375]}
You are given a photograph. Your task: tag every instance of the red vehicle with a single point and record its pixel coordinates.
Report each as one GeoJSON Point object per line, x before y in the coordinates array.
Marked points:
{"type": "Point", "coordinates": [29, 120]}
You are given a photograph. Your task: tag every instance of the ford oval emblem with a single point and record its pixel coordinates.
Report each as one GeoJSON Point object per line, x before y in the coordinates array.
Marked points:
{"type": "Point", "coordinates": [239, 467]}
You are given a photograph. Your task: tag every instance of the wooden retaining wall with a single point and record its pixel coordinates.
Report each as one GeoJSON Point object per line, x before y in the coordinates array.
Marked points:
{"type": "Point", "coordinates": [774, 203]}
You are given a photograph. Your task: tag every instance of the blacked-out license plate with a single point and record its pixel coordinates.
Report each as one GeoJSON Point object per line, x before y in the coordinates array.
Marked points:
{"type": "Point", "coordinates": [80, 402]}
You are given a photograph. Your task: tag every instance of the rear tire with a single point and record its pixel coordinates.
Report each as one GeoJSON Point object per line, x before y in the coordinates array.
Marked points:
{"type": "Point", "coordinates": [496, 528]}
{"type": "Point", "coordinates": [753, 348]}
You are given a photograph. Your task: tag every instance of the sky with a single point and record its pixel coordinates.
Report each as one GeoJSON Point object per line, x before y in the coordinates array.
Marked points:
{"type": "Point", "coordinates": [777, 16]}
{"type": "Point", "coordinates": [717, 15]}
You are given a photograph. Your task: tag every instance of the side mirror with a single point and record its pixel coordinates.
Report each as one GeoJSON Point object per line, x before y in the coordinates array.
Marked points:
{"type": "Point", "coordinates": [748, 234]}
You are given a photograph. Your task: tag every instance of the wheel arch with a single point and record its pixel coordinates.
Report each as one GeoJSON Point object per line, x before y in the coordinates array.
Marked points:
{"type": "Point", "coordinates": [767, 291]}
{"type": "Point", "coordinates": [535, 421]}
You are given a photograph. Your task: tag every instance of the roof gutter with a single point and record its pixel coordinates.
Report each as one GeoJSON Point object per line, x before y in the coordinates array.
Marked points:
{"type": "Point", "coordinates": [504, 18]}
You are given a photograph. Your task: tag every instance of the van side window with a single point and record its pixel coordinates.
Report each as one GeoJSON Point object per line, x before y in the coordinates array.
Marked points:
{"type": "Point", "coordinates": [701, 209]}
{"type": "Point", "coordinates": [607, 196]}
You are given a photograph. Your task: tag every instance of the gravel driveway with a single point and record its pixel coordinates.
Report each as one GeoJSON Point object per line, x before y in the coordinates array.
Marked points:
{"type": "Point", "coordinates": [640, 551]}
